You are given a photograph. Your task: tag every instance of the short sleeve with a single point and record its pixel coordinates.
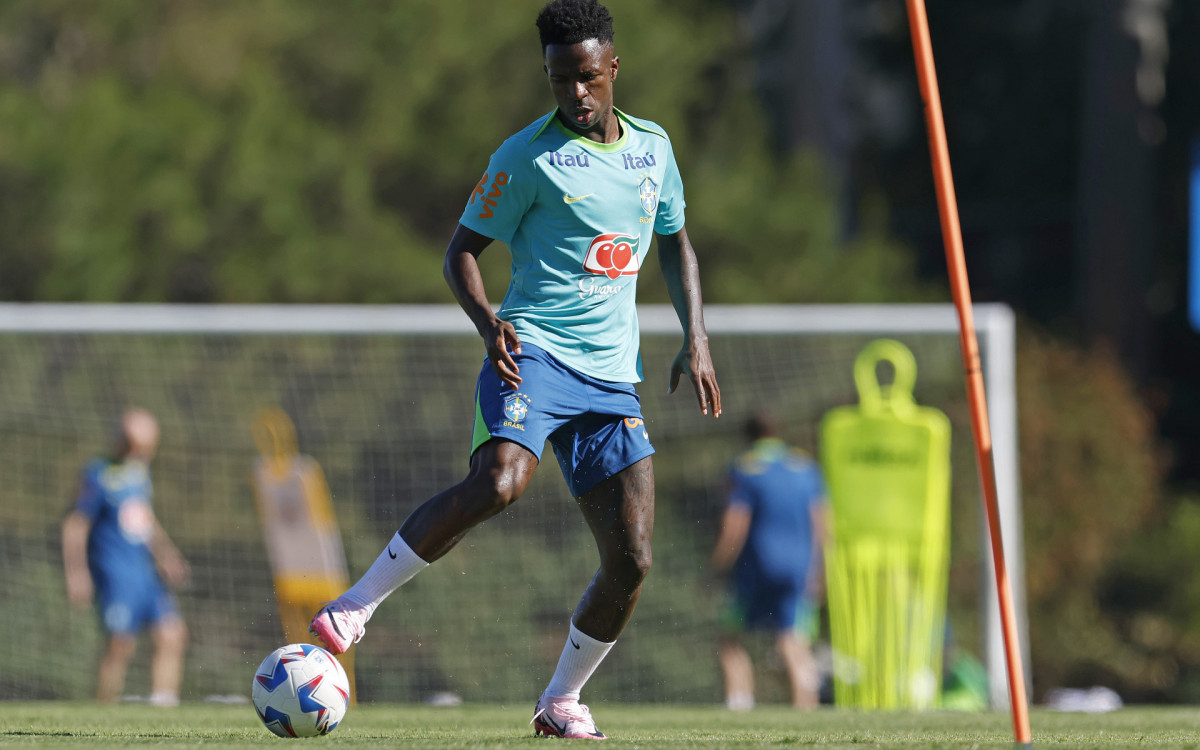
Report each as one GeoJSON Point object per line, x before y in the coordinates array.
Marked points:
{"type": "Point", "coordinates": [91, 495]}
{"type": "Point", "coordinates": [670, 216]}
{"type": "Point", "coordinates": [741, 494]}
{"type": "Point", "coordinates": [504, 193]}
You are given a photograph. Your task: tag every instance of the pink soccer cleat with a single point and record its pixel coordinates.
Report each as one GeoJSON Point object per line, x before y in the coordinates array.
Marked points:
{"type": "Point", "coordinates": [339, 625]}
{"type": "Point", "coordinates": [563, 717]}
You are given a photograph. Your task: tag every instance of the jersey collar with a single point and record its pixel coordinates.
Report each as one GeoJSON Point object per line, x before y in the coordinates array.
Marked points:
{"type": "Point", "coordinates": [768, 445]}
{"type": "Point", "coordinates": [617, 145]}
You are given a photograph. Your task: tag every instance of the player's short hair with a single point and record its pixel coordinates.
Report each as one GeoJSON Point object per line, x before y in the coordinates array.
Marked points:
{"type": "Point", "coordinates": [574, 21]}
{"type": "Point", "coordinates": [761, 425]}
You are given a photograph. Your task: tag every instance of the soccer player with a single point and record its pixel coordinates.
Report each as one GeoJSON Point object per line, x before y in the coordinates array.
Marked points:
{"type": "Point", "coordinates": [111, 544]}
{"type": "Point", "coordinates": [771, 540]}
{"type": "Point", "coordinates": [576, 195]}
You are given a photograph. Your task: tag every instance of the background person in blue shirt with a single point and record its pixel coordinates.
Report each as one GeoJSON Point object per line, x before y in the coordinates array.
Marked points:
{"type": "Point", "coordinates": [113, 550]}
{"type": "Point", "coordinates": [770, 545]}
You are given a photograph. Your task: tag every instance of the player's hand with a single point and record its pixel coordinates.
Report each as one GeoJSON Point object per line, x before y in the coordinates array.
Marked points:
{"type": "Point", "coordinates": [502, 343]}
{"type": "Point", "coordinates": [79, 589]}
{"type": "Point", "coordinates": [694, 361]}
{"type": "Point", "coordinates": [175, 570]}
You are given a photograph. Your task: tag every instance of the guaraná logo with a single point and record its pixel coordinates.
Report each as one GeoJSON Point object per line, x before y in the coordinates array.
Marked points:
{"type": "Point", "coordinates": [613, 254]}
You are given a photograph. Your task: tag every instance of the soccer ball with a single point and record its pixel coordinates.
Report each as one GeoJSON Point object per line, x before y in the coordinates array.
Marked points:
{"type": "Point", "coordinates": [300, 690]}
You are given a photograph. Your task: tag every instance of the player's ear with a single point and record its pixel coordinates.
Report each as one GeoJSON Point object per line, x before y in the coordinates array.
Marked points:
{"type": "Point", "coordinates": [616, 63]}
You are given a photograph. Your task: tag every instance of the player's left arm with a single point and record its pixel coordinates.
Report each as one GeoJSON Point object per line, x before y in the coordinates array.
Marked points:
{"type": "Point", "coordinates": [682, 274]}
{"type": "Point", "coordinates": [820, 530]}
{"type": "Point", "coordinates": [170, 560]}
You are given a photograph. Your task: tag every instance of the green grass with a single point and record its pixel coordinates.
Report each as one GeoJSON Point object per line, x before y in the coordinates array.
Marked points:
{"type": "Point", "coordinates": [64, 725]}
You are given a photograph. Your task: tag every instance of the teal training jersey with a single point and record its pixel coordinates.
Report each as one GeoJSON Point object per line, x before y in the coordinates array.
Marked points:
{"type": "Point", "coordinates": [577, 217]}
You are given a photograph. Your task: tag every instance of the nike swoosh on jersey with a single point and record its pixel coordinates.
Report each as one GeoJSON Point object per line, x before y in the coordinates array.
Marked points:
{"type": "Point", "coordinates": [569, 199]}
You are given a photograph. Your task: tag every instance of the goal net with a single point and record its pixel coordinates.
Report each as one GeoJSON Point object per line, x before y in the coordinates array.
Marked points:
{"type": "Point", "coordinates": [381, 397]}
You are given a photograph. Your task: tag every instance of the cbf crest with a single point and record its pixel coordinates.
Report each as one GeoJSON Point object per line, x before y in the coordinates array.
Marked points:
{"type": "Point", "coordinates": [516, 407]}
{"type": "Point", "coordinates": [648, 192]}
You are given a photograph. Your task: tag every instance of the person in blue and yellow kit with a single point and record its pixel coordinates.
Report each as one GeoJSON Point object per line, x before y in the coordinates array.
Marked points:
{"type": "Point", "coordinates": [770, 547]}
{"type": "Point", "coordinates": [579, 196]}
{"type": "Point", "coordinates": [113, 552]}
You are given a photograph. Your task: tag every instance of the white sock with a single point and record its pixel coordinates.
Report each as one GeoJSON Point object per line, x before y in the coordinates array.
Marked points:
{"type": "Point", "coordinates": [394, 567]}
{"type": "Point", "coordinates": [580, 657]}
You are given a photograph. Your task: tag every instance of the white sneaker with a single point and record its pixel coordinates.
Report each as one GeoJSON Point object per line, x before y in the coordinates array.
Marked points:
{"type": "Point", "coordinates": [563, 717]}
{"type": "Point", "coordinates": [339, 625]}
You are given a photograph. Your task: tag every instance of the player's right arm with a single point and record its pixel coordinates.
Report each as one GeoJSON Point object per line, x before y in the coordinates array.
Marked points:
{"type": "Point", "coordinates": [75, 529]}
{"type": "Point", "coordinates": [735, 527]}
{"type": "Point", "coordinates": [494, 211]}
{"type": "Point", "coordinates": [461, 270]}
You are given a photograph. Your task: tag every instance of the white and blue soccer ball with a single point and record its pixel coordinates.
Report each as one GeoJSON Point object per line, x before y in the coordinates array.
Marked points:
{"type": "Point", "coordinates": [300, 690]}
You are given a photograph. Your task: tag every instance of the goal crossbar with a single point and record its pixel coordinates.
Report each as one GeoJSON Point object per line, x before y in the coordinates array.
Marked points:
{"type": "Point", "coordinates": [16, 317]}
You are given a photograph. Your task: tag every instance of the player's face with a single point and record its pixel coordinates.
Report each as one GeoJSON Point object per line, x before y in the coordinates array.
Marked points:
{"type": "Point", "coordinates": [141, 435]}
{"type": "Point", "coordinates": [581, 77]}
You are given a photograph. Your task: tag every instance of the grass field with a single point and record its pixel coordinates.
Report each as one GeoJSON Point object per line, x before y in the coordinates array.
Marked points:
{"type": "Point", "coordinates": [65, 725]}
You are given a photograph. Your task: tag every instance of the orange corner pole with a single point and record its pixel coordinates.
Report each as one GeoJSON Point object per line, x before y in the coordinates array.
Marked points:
{"type": "Point", "coordinates": [961, 291]}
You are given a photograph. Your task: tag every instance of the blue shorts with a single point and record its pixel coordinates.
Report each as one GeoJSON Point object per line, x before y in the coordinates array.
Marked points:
{"type": "Point", "coordinates": [127, 610]}
{"type": "Point", "coordinates": [595, 427]}
{"type": "Point", "coordinates": [776, 608]}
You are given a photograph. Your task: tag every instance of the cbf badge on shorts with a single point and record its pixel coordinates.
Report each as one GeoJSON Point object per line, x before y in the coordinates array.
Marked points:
{"type": "Point", "coordinates": [516, 408]}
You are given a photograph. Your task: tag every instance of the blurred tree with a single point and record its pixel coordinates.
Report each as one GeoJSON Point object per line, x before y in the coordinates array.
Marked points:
{"type": "Point", "coordinates": [1090, 481]}
{"type": "Point", "coordinates": [308, 151]}
{"type": "Point", "coordinates": [1010, 76]}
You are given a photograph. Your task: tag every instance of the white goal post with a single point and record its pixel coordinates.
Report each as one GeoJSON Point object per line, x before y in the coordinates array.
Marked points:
{"type": "Point", "coordinates": [995, 326]}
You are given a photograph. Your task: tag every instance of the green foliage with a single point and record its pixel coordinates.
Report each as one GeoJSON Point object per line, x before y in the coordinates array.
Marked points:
{"type": "Point", "coordinates": [1089, 481]}
{"type": "Point", "coordinates": [321, 152]}
{"type": "Point", "coordinates": [1152, 597]}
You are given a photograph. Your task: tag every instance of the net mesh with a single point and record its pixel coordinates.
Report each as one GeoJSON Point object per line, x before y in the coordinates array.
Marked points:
{"type": "Point", "coordinates": [389, 419]}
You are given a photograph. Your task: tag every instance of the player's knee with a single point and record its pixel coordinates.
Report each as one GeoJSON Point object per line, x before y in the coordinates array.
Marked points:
{"type": "Point", "coordinates": [121, 648]}
{"type": "Point", "coordinates": [643, 559]}
{"type": "Point", "coordinates": [173, 635]}
{"type": "Point", "coordinates": [633, 564]}
{"type": "Point", "coordinates": [495, 490]}
{"type": "Point", "coordinates": [505, 489]}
